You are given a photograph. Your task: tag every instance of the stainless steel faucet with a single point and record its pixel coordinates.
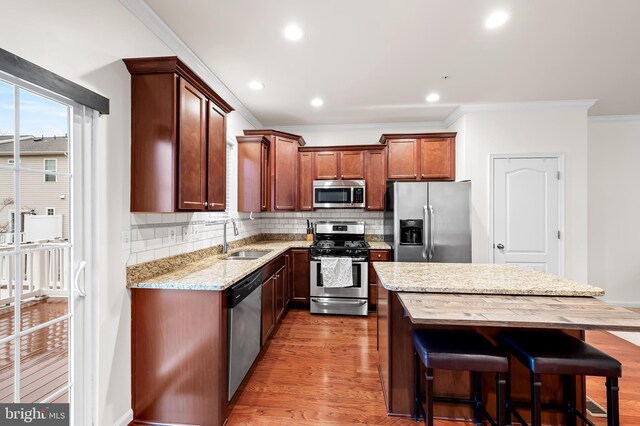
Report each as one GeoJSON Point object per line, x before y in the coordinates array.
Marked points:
{"type": "Point", "coordinates": [225, 243]}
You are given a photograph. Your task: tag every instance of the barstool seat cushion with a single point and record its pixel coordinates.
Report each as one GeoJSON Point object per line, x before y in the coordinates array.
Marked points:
{"type": "Point", "coordinates": [458, 350]}
{"type": "Point", "coordinates": [554, 352]}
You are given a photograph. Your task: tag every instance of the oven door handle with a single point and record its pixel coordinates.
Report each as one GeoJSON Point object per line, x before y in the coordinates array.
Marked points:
{"type": "Point", "coordinates": [338, 302]}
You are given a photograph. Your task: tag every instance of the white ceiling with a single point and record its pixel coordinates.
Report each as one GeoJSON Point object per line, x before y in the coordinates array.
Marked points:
{"type": "Point", "coordinates": [376, 60]}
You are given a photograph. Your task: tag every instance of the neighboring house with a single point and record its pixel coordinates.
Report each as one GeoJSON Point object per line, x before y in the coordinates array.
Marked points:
{"type": "Point", "coordinates": [39, 194]}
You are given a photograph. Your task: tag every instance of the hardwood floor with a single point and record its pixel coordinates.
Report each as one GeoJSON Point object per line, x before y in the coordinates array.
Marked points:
{"type": "Point", "coordinates": [44, 353]}
{"type": "Point", "coordinates": [322, 370]}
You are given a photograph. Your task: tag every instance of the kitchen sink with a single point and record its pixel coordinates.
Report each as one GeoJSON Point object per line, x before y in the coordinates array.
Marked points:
{"type": "Point", "coordinates": [247, 254]}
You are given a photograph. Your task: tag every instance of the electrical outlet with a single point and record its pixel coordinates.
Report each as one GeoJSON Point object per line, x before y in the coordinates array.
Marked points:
{"type": "Point", "coordinates": [186, 233]}
{"type": "Point", "coordinates": [126, 240]}
{"type": "Point", "coordinates": [172, 235]}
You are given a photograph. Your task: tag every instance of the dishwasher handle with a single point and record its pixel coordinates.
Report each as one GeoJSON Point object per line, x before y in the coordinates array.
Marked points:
{"type": "Point", "coordinates": [240, 291]}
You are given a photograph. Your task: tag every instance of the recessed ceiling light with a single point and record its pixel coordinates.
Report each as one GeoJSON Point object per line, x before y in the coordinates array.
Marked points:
{"type": "Point", "coordinates": [317, 102]}
{"type": "Point", "coordinates": [255, 85]}
{"type": "Point", "coordinates": [496, 19]}
{"type": "Point", "coordinates": [293, 32]}
{"type": "Point", "coordinates": [433, 97]}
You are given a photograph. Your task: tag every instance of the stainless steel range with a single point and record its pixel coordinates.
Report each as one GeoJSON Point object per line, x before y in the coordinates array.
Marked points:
{"type": "Point", "coordinates": [340, 239]}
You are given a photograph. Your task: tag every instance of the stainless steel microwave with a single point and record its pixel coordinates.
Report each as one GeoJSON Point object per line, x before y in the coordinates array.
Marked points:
{"type": "Point", "coordinates": [339, 194]}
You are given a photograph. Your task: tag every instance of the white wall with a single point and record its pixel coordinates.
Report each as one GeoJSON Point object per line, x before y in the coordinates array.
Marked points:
{"type": "Point", "coordinates": [614, 206]}
{"type": "Point", "coordinates": [84, 42]}
{"type": "Point", "coordinates": [354, 134]}
{"type": "Point", "coordinates": [486, 133]}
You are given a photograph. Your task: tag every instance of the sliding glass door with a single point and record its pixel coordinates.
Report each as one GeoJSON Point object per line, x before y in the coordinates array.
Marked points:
{"type": "Point", "coordinates": [45, 155]}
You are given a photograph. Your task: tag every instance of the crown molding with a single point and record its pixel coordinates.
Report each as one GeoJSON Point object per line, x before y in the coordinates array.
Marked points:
{"type": "Point", "coordinates": [141, 10]}
{"type": "Point", "coordinates": [613, 118]}
{"type": "Point", "coordinates": [436, 124]}
{"type": "Point", "coordinates": [568, 105]}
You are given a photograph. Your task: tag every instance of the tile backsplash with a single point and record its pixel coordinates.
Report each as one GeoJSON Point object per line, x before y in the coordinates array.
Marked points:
{"type": "Point", "coordinates": [155, 236]}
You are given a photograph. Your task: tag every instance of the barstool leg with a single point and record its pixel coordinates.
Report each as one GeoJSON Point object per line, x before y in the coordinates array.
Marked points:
{"type": "Point", "coordinates": [569, 397]}
{"type": "Point", "coordinates": [613, 409]}
{"type": "Point", "coordinates": [507, 396]}
{"type": "Point", "coordinates": [500, 399]}
{"type": "Point", "coordinates": [429, 398]}
{"type": "Point", "coordinates": [477, 398]}
{"type": "Point", "coordinates": [536, 408]}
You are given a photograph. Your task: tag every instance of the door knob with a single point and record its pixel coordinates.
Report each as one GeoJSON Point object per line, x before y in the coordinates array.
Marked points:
{"type": "Point", "coordinates": [500, 246]}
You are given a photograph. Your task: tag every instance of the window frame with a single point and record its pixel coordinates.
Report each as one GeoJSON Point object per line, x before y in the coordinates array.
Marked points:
{"type": "Point", "coordinates": [50, 176]}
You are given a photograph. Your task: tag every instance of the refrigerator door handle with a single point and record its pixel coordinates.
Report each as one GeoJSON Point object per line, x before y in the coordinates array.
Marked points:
{"type": "Point", "coordinates": [425, 235]}
{"type": "Point", "coordinates": [432, 246]}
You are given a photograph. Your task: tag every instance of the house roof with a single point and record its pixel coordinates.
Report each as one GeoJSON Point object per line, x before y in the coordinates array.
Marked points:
{"type": "Point", "coordinates": [33, 145]}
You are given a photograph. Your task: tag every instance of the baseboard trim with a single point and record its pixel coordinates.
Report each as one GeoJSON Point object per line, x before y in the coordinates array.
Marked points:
{"type": "Point", "coordinates": [125, 419]}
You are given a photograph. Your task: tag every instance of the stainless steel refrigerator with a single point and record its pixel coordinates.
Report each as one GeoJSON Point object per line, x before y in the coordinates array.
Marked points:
{"type": "Point", "coordinates": [428, 221]}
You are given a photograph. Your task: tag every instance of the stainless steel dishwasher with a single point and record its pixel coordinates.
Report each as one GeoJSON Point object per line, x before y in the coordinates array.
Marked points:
{"type": "Point", "coordinates": [245, 309]}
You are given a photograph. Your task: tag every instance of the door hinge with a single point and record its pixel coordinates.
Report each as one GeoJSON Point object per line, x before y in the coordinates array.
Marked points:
{"type": "Point", "coordinates": [558, 234]}
{"type": "Point", "coordinates": [558, 175]}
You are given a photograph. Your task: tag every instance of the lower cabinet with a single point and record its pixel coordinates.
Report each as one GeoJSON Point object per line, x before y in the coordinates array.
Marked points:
{"type": "Point", "coordinates": [268, 309]}
{"type": "Point", "coordinates": [300, 276]}
{"type": "Point", "coordinates": [375, 256]}
{"type": "Point", "coordinates": [280, 282]}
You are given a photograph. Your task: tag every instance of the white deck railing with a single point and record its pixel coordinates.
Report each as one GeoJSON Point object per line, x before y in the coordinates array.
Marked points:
{"type": "Point", "coordinates": [43, 272]}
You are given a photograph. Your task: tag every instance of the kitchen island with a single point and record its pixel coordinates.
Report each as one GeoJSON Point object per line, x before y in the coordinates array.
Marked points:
{"type": "Point", "coordinates": [488, 298]}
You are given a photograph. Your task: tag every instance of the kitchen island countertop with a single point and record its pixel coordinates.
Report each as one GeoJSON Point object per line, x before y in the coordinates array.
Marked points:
{"type": "Point", "coordinates": [476, 278]}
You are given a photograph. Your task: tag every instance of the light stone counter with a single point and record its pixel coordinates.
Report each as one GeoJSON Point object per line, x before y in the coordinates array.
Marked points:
{"type": "Point", "coordinates": [215, 272]}
{"type": "Point", "coordinates": [475, 278]}
{"type": "Point", "coordinates": [379, 245]}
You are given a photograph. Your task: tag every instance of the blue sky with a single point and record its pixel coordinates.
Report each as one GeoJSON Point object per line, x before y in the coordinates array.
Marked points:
{"type": "Point", "coordinates": [38, 115]}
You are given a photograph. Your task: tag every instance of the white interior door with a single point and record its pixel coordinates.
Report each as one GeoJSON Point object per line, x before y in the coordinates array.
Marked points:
{"type": "Point", "coordinates": [525, 212]}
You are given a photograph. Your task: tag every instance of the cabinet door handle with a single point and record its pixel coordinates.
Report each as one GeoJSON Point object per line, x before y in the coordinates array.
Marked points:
{"type": "Point", "coordinates": [216, 204]}
{"type": "Point", "coordinates": [195, 202]}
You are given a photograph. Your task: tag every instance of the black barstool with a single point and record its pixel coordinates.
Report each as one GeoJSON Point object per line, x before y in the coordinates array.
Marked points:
{"type": "Point", "coordinates": [554, 352]}
{"type": "Point", "coordinates": [463, 351]}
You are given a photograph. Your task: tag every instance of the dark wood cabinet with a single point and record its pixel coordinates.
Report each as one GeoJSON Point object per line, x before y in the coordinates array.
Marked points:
{"type": "Point", "coordinates": [281, 187]}
{"type": "Point", "coordinates": [287, 277]}
{"type": "Point", "coordinates": [425, 156]}
{"type": "Point", "coordinates": [326, 165]}
{"type": "Point", "coordinates": [402, 162]}
{"type": "Point", "coordinates": [162, 326]}
{"type": "Point", "coordinates": [171, 127]}
{"type": "Point", "coordinates": [376, 179]}
{"type": "Point", "coordinates": [352, 165]}
{"type": "Point", "coordinates": [280, 281]}
{"type": "Point", "coordinates": [217, 163]}
{"type": "Point", "coordinates": [375, 256]}
{"type": "Point", "coordinates": [437, 158]}
{"type": "Point", "coordinates": [268, 308]}
{"type": "Point", "coordinates": [305, 181]}
{"type": "Point", "coordinates": [253, 173]}
{"type": "Point", "coordinates": [300, 276]}
{"type": "Point", "coordinates": [285, 173]}
{"type": "Point", "coordinates": [192, 148]}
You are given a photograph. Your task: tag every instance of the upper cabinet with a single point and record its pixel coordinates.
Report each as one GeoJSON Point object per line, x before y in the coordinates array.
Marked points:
{"type": "Point", "coordinates": [376, 180]}
{"type": "Point", "coordinates": [426, 156]}
{"type": "Point", "coordinates": [305, 181]}
{"type": "Point", "coordinates": [178, 132]}
{"type": "Point", "coordinates": [352, 165]}
{"type": "Point", "coordinates": [283, 169]}
{"type": "Point", "coordinates": [326, 165]}
{"type": "Point", "coordinates": [253, 173]}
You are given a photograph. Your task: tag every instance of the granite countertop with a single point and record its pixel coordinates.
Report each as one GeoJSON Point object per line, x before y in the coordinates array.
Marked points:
{"type": "Point", "coordinates": [476, 278]}
{"type": "Point", "coordinates": [578, 313]}
{"type": "Point", "coordinates": [379, 245]}
{"type": "Point", "coordinates": [215, 272]}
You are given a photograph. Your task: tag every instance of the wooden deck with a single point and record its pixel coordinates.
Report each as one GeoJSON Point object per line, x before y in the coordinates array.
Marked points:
{"type": "Point", "coordinates": [44, 353]}
{"type": "Point", "coordinates": [323, 370]}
